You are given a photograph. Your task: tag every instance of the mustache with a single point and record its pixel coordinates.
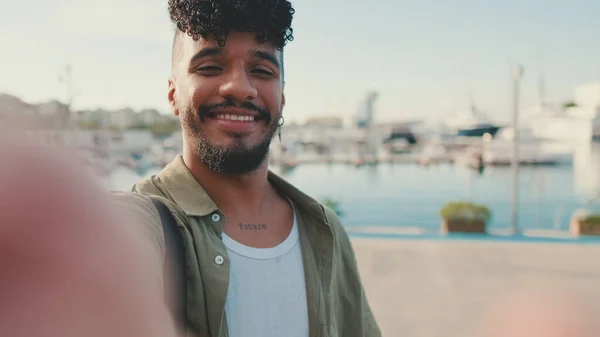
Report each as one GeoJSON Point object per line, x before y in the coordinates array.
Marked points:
{"type": "Point", "coordinates": [205, 110]}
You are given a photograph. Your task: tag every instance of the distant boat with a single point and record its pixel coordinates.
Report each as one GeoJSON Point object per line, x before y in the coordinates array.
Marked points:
{"type": "Point", "coordinates": [471, 123]}
{"type": "Point", "coordinates": [400, 138]}
{"type": "Point", "coordinates": [478, 130]}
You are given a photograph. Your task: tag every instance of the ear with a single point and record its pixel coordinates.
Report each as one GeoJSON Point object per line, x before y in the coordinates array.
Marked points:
{"type": "Point", "coordinates": [171, 97]}
{"type": "Point", "coordinates": [282, 94]}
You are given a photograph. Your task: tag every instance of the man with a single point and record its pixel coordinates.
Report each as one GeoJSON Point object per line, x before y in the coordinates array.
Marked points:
{"type": "Point", "coordinates": [264, 259]}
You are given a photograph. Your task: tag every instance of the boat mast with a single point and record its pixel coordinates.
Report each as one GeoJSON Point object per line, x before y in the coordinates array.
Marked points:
{"type": "Point", "coordinates": [472, 108]}
{"type": "Point", "coordinates": [541, 80]}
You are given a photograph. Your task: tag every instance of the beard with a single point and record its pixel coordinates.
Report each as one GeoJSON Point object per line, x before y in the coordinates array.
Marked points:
{"type": "Point", "coordinates": [236, 158]}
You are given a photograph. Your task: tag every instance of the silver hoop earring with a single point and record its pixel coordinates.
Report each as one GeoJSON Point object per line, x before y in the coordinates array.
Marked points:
{"type": "Point", "coordinates": [281, 122]}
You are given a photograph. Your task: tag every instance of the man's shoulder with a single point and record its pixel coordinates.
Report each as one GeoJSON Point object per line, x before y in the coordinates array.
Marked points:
{"type": "Point", "coordinates": [332, 217]}
{"type": "Point", "coordinates": [134, 202]}
{"type": "Point", "coordinates": [138, 201]}
{"type": "Point", "coordinates": [141, 195]}
{"type": "Point", "coordinates": [138, 195]}
{"type": "Point", "coordinates": [148, 186]}
{"type": "Point", "coordinates": [137, 212]}
{"type": "Point", "coordinates": [338, 229]}
{"type": "Point", "coordinates": [326, 216]}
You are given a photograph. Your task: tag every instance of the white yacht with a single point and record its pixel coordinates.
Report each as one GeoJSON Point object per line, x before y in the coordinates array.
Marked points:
{"type": "Point", "coordinates": [532, 150]}
{"type": "Point", "coordinates": [577, 123]}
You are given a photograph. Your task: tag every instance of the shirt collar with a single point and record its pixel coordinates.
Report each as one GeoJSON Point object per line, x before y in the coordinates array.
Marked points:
{"type": "Point", "coordinates": [191, 197]}
{"type": "Point", "coordinates": [185, 190]}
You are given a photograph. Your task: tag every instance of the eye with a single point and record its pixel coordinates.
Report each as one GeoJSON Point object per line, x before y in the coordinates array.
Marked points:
{"type": "Point", "coordinates": [262, 72]}
{"type": "Point", "coordinates": [209, 70]}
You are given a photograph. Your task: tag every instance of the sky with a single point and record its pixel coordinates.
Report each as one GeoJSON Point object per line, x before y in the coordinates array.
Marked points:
{"type": "Point", "coordinates": [425, 58]}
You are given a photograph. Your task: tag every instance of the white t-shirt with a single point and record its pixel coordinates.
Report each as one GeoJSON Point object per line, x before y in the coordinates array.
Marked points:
{"type": "Point", "coordinates": [267, 291]}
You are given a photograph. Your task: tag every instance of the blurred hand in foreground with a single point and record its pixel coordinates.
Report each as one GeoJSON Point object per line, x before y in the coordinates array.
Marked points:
{"type": "Point", "coordinates": [70, 264]}
{"type": "Point", "coordinates": [537, 311]}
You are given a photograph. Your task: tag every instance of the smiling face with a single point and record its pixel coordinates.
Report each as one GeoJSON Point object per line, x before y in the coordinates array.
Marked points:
{"type": "Point", "coordinates": [229, 99]}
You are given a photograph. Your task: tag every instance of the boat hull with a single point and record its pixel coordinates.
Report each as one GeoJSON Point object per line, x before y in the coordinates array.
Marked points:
{"type": "Point", "coordinates": [479, 131]}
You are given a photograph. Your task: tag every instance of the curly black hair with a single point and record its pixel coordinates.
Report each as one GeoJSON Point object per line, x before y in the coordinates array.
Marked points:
{"type": "Point", "coordinates": [270, 20]}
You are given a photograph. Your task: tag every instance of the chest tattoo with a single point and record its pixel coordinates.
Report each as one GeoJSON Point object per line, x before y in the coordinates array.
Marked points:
{"type": "Point", "coordinates": [252, 227]}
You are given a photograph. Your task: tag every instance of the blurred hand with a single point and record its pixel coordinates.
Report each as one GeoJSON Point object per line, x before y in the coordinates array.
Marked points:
{"type": "Point", "coordinates": [70, 265]}
{"type": "Point", "coordinates": [532, 311]}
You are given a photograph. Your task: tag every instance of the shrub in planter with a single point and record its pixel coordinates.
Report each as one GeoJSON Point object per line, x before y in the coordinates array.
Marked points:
{"type": "Point", "coordinates": [585, 224]}
{"type": "Point", "coordinates": [464, 217]}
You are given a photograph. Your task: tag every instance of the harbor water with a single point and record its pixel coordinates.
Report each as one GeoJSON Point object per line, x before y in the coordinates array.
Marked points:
{"type": "Point", "coordinates": [396, 196]}
{"type": "Point", "coordinates": [412, 196]}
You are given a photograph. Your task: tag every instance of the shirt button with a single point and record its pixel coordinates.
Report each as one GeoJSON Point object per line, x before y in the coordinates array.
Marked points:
{"type": "Point", "coordinates": [219, 260]}
{"type": "Point", "coordinates": [216, 217]}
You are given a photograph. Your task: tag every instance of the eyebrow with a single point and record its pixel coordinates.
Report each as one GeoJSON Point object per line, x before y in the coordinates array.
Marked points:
{"type": "Point", "coordinates": [265, 56]}
{"type": "Point", "coordinates": [212, 51]}
{"type": "Point", "coordinates": [206, 52]}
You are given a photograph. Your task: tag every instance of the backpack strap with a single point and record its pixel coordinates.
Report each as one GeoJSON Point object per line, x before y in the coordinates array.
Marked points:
{"type": "Point", "coordinates": [175, 271]}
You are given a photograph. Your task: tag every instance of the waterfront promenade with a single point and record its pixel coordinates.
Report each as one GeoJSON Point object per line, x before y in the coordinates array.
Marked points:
{"type": "Point", "coordinates": [469, 288]}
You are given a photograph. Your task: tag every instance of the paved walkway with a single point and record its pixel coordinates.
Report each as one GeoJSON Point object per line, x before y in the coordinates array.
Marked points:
{"type": "Point", "coordinates": [431, 288]}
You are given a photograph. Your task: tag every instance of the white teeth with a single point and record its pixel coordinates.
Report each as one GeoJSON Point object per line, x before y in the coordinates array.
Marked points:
{"type": "Point", "coordinates": [240, 118]}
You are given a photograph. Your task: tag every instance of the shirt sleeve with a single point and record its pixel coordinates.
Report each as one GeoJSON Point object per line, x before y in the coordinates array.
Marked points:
{"type": "Point", "coordinates": [139, 213]}
{"type": "Point", "coordinates": [359, 319]}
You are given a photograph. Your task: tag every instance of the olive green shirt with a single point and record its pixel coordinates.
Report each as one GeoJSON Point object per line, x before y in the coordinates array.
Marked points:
{"type": "Point", "coordinates": [337, 305]}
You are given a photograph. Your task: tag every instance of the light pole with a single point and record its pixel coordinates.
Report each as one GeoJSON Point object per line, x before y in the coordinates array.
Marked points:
{"type": "Point", "coordinates": [517, 74]}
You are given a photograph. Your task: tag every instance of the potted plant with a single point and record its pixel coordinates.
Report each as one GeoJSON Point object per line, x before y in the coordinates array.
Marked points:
{"type": "Point", "coordinates": [584, 223]}
{"type": "Point", "coordinates": [464, 217]}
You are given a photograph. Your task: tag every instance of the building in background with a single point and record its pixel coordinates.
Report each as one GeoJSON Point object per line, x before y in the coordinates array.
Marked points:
{"type": "Point", "coordinates": [365, 116]}
{"type": "Point", "coordinates": [325, 121]}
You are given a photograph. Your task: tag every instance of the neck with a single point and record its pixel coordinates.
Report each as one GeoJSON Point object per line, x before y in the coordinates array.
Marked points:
{"type": "Point", "coordinates": [248, 193]}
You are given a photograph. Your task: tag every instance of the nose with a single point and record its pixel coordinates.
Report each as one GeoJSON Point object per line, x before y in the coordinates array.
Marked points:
{"type": "Point", "coordinates": [238, 85]}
